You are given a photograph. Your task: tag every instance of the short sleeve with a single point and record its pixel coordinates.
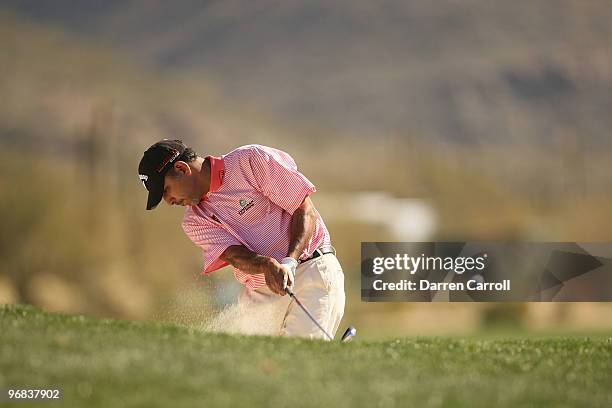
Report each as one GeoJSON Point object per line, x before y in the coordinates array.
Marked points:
{"type": "Point", "coordinates": [212, 239]}
{"type": "Point", "coordinates": [275, 174]}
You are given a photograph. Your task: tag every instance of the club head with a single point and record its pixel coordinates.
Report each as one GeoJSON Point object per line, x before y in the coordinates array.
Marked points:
{"type": "Point", "coordinates": [349, 334]}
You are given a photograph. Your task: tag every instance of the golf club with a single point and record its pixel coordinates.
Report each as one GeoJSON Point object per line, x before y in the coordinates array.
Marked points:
{"type": "Point", "coordinates": [290, 293]}
{"type": "Point", "coordinates": [348, 335]}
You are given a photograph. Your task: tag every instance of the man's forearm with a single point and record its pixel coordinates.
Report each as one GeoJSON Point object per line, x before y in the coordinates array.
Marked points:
{"type": "Point", "coordinates": [302, 227]}
{"type": "Point", "coordinates": [277, 276]}
{"type": "Point", "coordinates": [247, 261]}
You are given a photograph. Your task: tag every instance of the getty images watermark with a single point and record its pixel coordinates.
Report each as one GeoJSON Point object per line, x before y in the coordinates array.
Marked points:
{"type": "Point", "coordinates": [486, 271]}
{"type": "Point", "coordinates": [412, 265]}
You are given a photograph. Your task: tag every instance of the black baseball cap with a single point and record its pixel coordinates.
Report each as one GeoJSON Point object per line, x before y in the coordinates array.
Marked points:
{"type": "Point", "coordinates": [154, 165]}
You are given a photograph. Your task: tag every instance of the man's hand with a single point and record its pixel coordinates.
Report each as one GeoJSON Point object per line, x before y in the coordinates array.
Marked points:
{"type": "Point", "coordinates": [291, 265]}
{"type": "Point", "coordinates": [277, 277]}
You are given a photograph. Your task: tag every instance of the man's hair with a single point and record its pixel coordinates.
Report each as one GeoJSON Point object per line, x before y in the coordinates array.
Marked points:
{"type": "Point", "coordinates": [188, 155]}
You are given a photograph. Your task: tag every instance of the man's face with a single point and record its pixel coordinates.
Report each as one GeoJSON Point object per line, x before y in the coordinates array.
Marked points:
{"type": "Point", "coordinates": [180, 186]}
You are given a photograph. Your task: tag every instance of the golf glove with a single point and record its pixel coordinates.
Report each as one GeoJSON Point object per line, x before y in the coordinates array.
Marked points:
{"type": "Point", "coordinates": [290, 264]}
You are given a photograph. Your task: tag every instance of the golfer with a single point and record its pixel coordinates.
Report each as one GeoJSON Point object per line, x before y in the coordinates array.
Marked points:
{"type": "Point", "coordinates": [251, 209]}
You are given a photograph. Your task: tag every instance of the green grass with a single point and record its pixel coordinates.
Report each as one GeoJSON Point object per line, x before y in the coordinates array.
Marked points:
{"type": "Point", "coordinates": [107, 363]}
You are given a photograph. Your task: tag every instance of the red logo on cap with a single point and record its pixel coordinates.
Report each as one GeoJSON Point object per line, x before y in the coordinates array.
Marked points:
{"type": "Point", "coordinates": [173, 155]}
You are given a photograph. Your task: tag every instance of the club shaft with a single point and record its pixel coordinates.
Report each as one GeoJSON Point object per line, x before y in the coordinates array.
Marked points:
{"type": "Point", "coordinates": [308, 313]}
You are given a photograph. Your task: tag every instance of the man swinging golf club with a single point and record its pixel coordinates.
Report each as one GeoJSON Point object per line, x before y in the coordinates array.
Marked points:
{"type": "Point", "coordinates": [251, 209]}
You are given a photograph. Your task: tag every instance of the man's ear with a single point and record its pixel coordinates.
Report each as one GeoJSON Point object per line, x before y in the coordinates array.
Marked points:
{"type": "Point", "coordinates": [182, 167]}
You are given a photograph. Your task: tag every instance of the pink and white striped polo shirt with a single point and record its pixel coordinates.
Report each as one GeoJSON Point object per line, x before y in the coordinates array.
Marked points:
{"type": "Point", "coordinates": [253, 193]}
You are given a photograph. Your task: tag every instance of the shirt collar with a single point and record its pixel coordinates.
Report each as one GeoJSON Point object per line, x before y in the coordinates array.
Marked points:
{"type": "Point", "coordinates": [217, 172]}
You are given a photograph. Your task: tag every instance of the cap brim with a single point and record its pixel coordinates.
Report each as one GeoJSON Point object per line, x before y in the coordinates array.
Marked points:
{"type": "Point", "coordinates": [155, 197]}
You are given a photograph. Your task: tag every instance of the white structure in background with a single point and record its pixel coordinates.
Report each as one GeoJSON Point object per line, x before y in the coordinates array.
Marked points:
{"type": "Point", "coordinates": [406, 219]}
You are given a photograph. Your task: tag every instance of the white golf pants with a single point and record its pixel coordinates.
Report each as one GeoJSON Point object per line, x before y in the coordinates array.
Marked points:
{"type": "Point", "coordinates": [319, 285]}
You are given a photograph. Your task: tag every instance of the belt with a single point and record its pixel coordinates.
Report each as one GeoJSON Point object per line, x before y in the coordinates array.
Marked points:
{"type": "Point", "coordinates": [328, 249]}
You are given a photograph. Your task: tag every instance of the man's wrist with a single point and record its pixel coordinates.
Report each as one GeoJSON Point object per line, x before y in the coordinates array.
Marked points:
{"type": "Point", "coordinates": [264, 264]}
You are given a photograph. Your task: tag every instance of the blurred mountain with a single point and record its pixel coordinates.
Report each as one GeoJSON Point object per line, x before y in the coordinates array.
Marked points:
{"type": "Point", "coordinates": [71, 95]}
{"type": "Point", "coordinates": [465, 71]}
